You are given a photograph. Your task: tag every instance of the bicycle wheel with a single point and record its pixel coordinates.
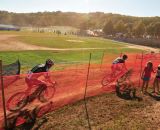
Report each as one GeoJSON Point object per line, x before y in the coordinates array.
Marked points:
{"type": "Point", "coordinates": [44, 109]}
{"type": "Point", "coordinates": [122, 78]}
{"type": "Point", "coordinates": [106, 80]}
{"type": "Point", "coordinates": [17, 101]}
{"type": "Point", "coordinates": [47, 93]}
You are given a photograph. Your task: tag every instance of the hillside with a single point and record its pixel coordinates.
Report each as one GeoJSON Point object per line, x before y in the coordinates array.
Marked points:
{"type": "Point", "coordinates": [79, 20]}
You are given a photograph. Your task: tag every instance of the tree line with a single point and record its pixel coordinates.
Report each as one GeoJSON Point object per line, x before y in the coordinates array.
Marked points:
{"type": "Point", "coordinates": [140, 28]}
{"type": "Point", "coordinates": [110, 23]}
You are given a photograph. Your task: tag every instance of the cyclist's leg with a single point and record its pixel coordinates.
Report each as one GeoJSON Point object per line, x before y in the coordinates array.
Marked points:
{"type": "Point", "coordinates": [34, 82]}
{"type": "Point", "coordinates": [38, 82]}
{"type": "Point", "coordinates": [119, 68]}
{"type": "Point", "coordinates": [28, 82]}
{"type": "Point", "coordinates": [114, 70]}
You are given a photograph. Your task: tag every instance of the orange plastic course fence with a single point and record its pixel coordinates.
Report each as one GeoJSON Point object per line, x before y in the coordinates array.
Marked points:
{"type": "Point", "coordinates": [27, 98]}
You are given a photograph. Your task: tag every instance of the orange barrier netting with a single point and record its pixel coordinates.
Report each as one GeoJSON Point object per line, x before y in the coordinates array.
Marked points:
{"type": "Point", "coordinates": [69, 86]}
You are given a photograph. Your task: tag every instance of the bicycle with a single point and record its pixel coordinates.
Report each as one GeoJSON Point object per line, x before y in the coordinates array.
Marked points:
{"type": "Point", "coordinates": [19, 100]}
{"type": "Point", "coordinates": [126, 76]}
{"type": "Point", "coordinates": [118, 71]}
{"type": "Point", "coordinates": [44, 109]}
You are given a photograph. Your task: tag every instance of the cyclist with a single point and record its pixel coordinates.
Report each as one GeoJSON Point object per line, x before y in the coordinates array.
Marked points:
{"type": "Point", "coordinates": [37, 71]}
{"type": "Point", "coordinates": [119, 63]}
{"type": "Point", "coordinates": [120, 59]}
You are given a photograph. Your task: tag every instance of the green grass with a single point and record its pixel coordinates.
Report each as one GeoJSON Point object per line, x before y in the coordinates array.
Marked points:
{"type": "Point", "coordinates": [54, 41]}
{"type": "Point", "coordinates": [34, 57]}
{"type": "Point", "coordinates": [30, 58]}
{"type": "Point", "coordinates": [51, 40]}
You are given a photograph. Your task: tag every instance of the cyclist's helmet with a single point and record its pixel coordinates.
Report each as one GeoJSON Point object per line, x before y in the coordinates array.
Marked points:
{"type": "Point", "coordinates": [125, 57]}
{"type": "Point", "coordinates": [158, 67]}
{"type": "Point", "coordinates": [49, 62]}
{"type": "Point", "coordinates": [150, 63]}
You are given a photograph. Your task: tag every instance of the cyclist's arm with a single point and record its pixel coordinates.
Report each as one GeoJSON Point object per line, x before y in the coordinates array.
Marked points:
{"type": "Point", "coordinates": [124, 66]}
{"type": "Point", "coordinates": [48, 78]}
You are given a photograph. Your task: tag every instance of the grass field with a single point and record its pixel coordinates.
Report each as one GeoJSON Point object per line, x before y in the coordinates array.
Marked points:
{"type": "Point", "coordinates": [69, 42]}
{"type": "Point", "coordinates": [30, 58]}
{"type": "Point", "coordinates": [63, 41]}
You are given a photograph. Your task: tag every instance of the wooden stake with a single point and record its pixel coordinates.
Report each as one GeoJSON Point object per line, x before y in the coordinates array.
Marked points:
{"type": "Point", "coordinates": [3, 94]}
{"type": "Point", "coordinates": [89, 125]}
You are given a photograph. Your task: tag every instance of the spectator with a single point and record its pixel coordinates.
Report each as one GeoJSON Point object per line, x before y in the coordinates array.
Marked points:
{"type": "Point", "coordinates": [156, 81]}
{"type": "Point", "coordinates": [146, 75]}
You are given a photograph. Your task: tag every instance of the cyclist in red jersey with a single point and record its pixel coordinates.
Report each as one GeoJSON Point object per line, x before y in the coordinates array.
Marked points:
{"type": "Point", "coordinates": [37, 71]}
{"type": "Point", "coordinates": [119, 63]}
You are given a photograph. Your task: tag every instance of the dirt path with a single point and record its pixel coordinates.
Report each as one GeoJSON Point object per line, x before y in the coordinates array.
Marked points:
{"type": "Point", "coordinates": [8, 43]}
{"type": "Point", "coordinates": [129, 45]}
{"type": "Point", "coordinates": [15, 46]}
{"type": "Point", "coordinates": [143, 48]}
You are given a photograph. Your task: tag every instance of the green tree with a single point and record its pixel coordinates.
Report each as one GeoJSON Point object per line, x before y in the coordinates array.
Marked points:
{"type": "Point", "coordinates": [108, 28]}
{"type": "Point", "coordinates": [84, 26]}
{"type": "Point", "coordinates": [154, 29]}
{"type": "Point", "coordinates": [157, 29]}
{"type": "Point", "coordinates": [150, 29]}
{"type": "Point", "coordinates": [120, 27]}
{"type": "Point", "coordinates": [129, 27]}
{"type": "Point", "coordinates": [139, 29]}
